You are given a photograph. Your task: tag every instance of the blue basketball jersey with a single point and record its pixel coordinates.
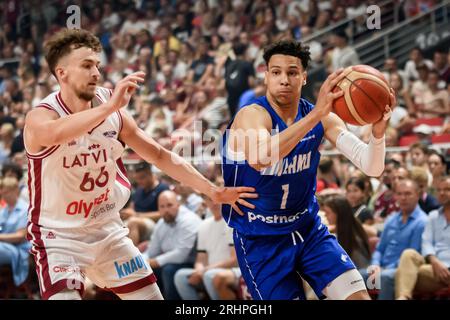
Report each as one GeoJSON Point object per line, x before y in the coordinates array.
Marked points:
{"type": "Point", "coordinates": [286, 190]}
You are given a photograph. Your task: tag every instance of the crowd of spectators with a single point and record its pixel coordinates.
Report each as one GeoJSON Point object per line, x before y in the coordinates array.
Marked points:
{"type": "Point", "coordinates": [203, 61]}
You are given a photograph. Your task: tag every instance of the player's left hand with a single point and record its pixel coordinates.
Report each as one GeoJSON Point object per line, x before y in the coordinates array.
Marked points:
{"type": "Point", "coordinates": [379, 128]}
{"type": "Point", "coordinates": [234, 196]}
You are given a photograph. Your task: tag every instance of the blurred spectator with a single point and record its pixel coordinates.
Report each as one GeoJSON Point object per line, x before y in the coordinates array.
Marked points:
{"type": "Point", "coordinates": [142, 212]}
{"type": "Point", "coordinates": [438, 168]}
{"type": "Point", "coordinates": [356, 193]}
{"type": "Point", "coordinates": [172, 245]}
{"type": "Point", "coordinates": [442, 66]}
{"type": "Point", "coordinates": [390, 67]}
{"type": "Point", "coordinates": [342, 55]}
{"type": "Point", "coordinates": [326, 177]}
{"type": "Point", "coordinates": [13, 170]}
{"type": "Point", "coordinates": [202, 66]}
{"type": "Point", "coordinates": [383, 200]}
{"type": "Point", "coordinates": [6, 141]}
{"type": "Point", "coordinates": [420, 85]}
{"type": "Point", "coordinates": [351, 234]}
{"type": "Point", "coordinates": [239, 76]}
{"type": "Point", "coordinates": [14, 249]}
{"type": "Point", "coordinates": [427, 202]}
{"type": "Point", "coordinates": [132, 24]}
{"type": "Point", "coordinates": [215, 253]}
{"type": "Point", "coordinates": [400, 119]}
{"type": "Point", "coordinates": [415, 59]}
{"type": "Point", "coordinates": [435, 101]}
{"type": "Point", "coordinates": [230, 28]}
{"type": "Point", "coordinates": [252, 93]}
{"type": "Point", "coordinates": [402, 230]}
{"type": "Point", "coordinates": [418, 153]}
{"type": "Point", "coordinates": [429, 271]}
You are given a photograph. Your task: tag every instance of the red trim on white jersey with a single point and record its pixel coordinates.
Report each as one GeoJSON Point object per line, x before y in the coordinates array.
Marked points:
{"type": "Point", "coordinates": [44, 153]}
{"type": "Point", "coordinates": [34, 235]}
{"type": "Point", "coordinates": [136, 285]}
{"type": "Point", "coordinates": [121, 175]}
{"type": "Point", "coordinates": [65, 108]}
{"type": "Point", "coordinates": [120, 121]}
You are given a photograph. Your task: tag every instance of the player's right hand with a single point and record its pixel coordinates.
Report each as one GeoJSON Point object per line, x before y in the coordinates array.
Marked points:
{"type": "Point", "coordinates": [125, 88]}
{"type": "Point", "coordinates": [326, 95]}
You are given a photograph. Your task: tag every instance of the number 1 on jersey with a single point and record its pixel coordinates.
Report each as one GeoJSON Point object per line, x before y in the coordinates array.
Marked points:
{"type": "Point", "coordinates": [285, 188]}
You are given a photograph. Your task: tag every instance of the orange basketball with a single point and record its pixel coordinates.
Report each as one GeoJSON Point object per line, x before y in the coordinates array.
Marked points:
{"type": "Point", "coordinates": [366, 94]}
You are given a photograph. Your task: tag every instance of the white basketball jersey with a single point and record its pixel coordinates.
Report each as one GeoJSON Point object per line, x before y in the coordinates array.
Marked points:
{"type": "Point", "coordinates": [82, 181]}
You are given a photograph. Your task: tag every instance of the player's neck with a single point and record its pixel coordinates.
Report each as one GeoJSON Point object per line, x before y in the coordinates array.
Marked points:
{"type": "Point", "coordinates": [287, 113]}
{"type": "Point", "coordinates": [75, 103]}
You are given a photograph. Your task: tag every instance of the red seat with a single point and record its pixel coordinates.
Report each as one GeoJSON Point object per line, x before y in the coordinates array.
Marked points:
{"type": "Point", "coordinates": [440, 138]}
{"type": "Point", "coordinates": [434, 122]}
{"type": "Point", "coordinates": [442, 294]}
{"type": "Point", "coordinates": [406, 141]}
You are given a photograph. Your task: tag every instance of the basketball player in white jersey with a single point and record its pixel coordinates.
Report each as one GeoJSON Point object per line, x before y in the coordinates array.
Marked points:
{"type": "Point", "coordinates": [77, 183]}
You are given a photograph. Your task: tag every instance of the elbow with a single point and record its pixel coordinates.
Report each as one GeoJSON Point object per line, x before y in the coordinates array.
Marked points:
{"type": "Point", "coordinates": [373, 170]}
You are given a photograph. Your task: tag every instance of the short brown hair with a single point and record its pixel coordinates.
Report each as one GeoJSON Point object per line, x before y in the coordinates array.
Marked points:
{"type": "Point", "coordinates": [64, 41]}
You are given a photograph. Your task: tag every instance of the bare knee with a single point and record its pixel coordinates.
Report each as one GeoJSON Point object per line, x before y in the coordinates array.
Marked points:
{"type": "Point", "coordinates": [219, 280]}
{"type": "Point", "coordinates": [359, 295]}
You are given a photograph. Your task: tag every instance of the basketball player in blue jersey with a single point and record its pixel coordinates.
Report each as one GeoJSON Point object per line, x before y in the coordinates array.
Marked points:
{"type": "Point", "coordinates": [283, 237]}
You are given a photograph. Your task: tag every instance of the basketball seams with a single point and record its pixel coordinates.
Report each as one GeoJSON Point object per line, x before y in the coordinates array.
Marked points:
{"type": "Point", "coordinates": [351, 77]}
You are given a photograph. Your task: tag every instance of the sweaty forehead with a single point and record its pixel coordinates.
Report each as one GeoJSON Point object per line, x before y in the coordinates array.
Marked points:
{"type": "Point", "coordinates": [285, 61]}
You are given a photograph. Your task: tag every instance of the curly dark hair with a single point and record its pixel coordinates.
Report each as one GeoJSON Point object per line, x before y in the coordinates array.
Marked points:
{"type": "Point", "coordinates": [289, 48]}
{"type": "Point", "coordinates": [66, 40]}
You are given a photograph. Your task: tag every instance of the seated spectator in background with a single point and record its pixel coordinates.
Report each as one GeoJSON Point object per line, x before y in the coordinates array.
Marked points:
{"type": "Point", "coordinates": [429, 271]}
{"type": "Point", "coordinates": [342, 55]}
{"type": "Point", "coordinates": [11, 169]}
{"type": "Point", "coordinates": [215, 253]}
{"type": "Point", "coordinates": [415, 59]}
{"type": "Point", "coordinates": [326, 177]}
{"type": "Point", "coordinates": [356, 194]}
{"type": "Point", "coordinates": [226, 283]}
{"type": "Point", "coordinates": [203, 65]}
{"type": "Point", "coordinates": [188, 197]}
{"type": "Point", "coordinates": [350, 233]}
{"type": "Point", "coordinates": [435, 100]}
{"type": "Point", "coordinates": [427, 202]}
{"type": "Point", "coordinates": [402, 230]}
{"type": "Point", "coordinates": [438, 168]}
{"type": "Point", "coordinates": [442, 66]}
{"type": "Point", "coordinates": [418, 154]}
{"type": "Point", "coordinates": [6, 140]}
{"type": "Point", "coordinates": [142, 212]}
{"type": "Point", "coordinates": [400, 119]}
{"type": "Point", "coordinates": [383, 200]}
{"type": "Point", "coordinates": [390, 67]}
{"type": "Point", "coordinates": [239, 76]}
{"type": "Point", "coordinates": [14, 249]}
{"type": "Point", "coordinates": [420, 85]}
{"type": "Point", "coordinates": [172, 245]}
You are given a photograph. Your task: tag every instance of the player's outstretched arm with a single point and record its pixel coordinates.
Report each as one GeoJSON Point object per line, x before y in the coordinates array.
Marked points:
{"type": "Point", "coordinates": [251, 135]}
{"type": "Point", "coordinates": [179, 169]}
{"type": "Point", "coordinates": [44, 127]}
{"type": "Point", "coordinates": [369, 158]}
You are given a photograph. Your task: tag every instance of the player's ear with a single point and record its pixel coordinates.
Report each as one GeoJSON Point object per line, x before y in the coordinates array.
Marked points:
{"type": "Point", "coordinates": [265, 77]}
{"type": "Point", "coordinates": [305, 75]}
{"type": "Point", "coordinates": [60, 73]}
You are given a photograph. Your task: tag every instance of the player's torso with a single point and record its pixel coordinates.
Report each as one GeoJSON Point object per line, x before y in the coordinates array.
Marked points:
{"type": "Point", "coordinates": [285, 190]}
{"type": "Point", "coordinates": [81, 181]}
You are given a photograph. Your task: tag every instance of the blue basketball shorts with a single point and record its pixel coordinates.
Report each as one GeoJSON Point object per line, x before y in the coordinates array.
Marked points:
{"type": "Point", "coordinates": [272, 265]}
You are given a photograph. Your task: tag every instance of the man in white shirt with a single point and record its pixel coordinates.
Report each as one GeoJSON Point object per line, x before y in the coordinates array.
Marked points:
{"type": "Point", "coordinates": [342, 55]}
{"type": "Point", "coordinates": [172, 242]}
{"type": "Point", "coordinates": [215, 253]}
